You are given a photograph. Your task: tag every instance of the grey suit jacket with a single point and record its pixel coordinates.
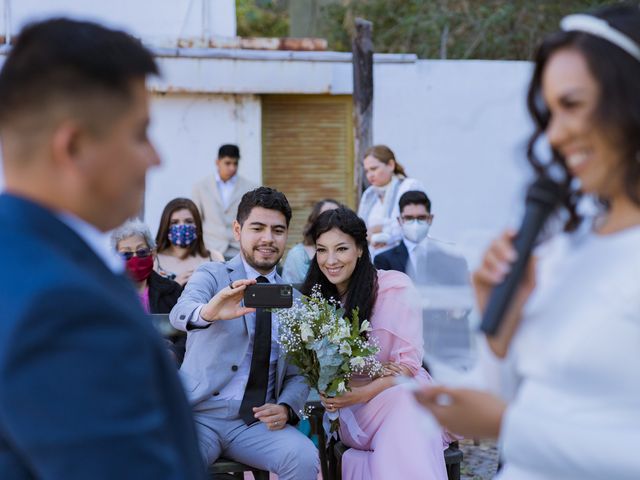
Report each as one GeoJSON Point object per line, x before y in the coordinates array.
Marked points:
{"type": "Point", "coordinates": [217, 220]}
{"type": "Point", "coordinates": [214, 353]}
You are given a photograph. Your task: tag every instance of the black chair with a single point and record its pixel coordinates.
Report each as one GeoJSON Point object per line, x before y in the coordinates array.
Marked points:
{"type": "Point", "coordinates": [316, 413]}
{"type": "Point", "coordinates": [224, 468]}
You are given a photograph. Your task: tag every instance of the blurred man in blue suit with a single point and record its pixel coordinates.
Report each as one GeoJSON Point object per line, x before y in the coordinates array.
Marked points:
{"type": "Point", "coordinates": [87, 390]}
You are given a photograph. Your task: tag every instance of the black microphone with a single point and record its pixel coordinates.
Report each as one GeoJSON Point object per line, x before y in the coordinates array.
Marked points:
{"type": "Point", "coordinates": [543, 196]}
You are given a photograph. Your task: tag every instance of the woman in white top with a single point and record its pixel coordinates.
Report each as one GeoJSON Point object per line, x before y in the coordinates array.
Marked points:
{"type": "Point", "coordinates": [379, 203]}
{"type": "Point", "coordinates": [572, 336]}
{"type": "Point", "coordinates": [180, 244]}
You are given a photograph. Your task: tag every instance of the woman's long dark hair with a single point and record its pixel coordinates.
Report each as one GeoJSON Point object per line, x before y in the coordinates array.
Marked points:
{"type": "Point", "coordinates": [363, 284]}
{"type": "Point", "coordinates": [162, 237]}
{"type": "Point", "coordinates": [618, 76]}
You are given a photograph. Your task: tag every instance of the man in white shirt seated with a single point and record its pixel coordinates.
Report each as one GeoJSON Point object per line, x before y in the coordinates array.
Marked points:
{"type": "Point", "coordinates": [217, 197]}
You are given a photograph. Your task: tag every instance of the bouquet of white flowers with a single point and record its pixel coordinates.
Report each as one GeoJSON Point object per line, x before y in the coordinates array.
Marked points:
{"type": "Point", "coordinates": [326, 347]}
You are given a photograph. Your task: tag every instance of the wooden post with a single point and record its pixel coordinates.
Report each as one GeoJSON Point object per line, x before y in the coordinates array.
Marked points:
{"type": "Point", "coordinates": [362, 48]}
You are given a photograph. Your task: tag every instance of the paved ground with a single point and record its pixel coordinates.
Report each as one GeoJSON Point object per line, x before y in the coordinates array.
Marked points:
{"type": "Point", "coordinates": [480, 461]}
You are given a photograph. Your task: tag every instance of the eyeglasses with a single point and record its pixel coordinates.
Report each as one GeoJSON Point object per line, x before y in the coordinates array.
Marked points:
{"type": "Point", "coordinates": [140, 253]}
{"type": "Point", "coordinates": [420, 218]}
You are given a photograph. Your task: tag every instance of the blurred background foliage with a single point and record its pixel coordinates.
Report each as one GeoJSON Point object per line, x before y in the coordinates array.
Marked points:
{"type": "Point", "coordinates": [262, 18]}
{"type": "Point", "coordinates": [454, 29]}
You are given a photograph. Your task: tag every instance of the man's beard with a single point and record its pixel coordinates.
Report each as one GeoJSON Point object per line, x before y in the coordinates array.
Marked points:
{"type": "Point", "coordinates": [257, 265]}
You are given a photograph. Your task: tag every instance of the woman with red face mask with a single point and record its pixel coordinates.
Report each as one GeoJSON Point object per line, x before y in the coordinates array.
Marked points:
{"type": "Point", "coordinates": [134, 243]}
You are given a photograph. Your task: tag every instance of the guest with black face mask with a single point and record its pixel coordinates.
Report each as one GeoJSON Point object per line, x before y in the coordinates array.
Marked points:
{"type": "Point", "coordinates": [180, 242]}
{"type": "Point", "coordinates": [136, 246]}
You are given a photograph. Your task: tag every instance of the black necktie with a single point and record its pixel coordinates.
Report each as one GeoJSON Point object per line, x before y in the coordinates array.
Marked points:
{"type": "Point", "coordinates": [255, 393]}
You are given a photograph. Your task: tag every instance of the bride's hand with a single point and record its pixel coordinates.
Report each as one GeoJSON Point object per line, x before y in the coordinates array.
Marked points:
{"type": "Point", "coordinates": [348, 398]}
{"type": "Point", "coordinates": [394, 369]}
{"type": "Point", "coordinates": [495, 266]}
{"type": "Point", "coordinates": [464, 411]}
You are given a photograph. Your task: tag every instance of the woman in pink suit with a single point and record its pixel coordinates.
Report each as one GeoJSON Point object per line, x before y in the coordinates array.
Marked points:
{"type": "Point", "coordinates": [381, 422]}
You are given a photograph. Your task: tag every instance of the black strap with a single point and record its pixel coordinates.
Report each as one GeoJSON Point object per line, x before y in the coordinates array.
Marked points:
{"type": "Point", "coordinates": [255, 393]}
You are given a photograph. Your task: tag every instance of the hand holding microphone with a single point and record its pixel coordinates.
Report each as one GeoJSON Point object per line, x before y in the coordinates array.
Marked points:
{"type": "Point", "coordinates": [505, 279]}
{"type": "Point", "coordinates": [496, 265]}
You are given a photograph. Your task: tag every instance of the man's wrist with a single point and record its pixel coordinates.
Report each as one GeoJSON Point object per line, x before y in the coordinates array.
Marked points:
{"type": "Point", "coordinates": [205, 314]}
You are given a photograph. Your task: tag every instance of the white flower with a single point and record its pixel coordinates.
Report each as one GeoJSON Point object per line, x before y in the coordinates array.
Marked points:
{"type": "Point", "coordinates": [365, 326]}
{"type": "Point", "coordinates": [341, 388]}
{"type": "Point", "coordinates": [306, 333]}
{"type": "Point", "coordinates": [345, 348]}
{"type": "Point", "coordinates": [356, 362]}
{"type": "Point", "coordinates": [344, 331]}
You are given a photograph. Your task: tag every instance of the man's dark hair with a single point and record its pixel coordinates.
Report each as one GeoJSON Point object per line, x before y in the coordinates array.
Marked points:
{"type": "Point", "coordinates": [229, 150]}
{"type": "Point", "coordinates": [414, 197]}
{"type": "Point", "coordinates": [63, 62]}
{"type": "Point", "coordinates": [264, 197]}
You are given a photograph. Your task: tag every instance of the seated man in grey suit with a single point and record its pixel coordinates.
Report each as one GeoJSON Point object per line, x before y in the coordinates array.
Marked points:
{"type": "Point", "coordinates": [411, 255]}
{"type": "Point", "coordinates": [245, 396]}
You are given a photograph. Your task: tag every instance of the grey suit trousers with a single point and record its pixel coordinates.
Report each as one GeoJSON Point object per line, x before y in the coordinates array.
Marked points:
{"type": "Point", "coordinates": [286, 452]}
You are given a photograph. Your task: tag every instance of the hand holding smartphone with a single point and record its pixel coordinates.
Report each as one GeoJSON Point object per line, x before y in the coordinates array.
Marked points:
{"type": "Point", "coordinates": [268, 295]}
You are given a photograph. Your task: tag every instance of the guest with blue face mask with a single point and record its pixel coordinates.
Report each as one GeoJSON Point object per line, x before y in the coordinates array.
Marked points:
{"type": "Point", "coordinates": [180, 242]}
{"type": "Point", "coordinates": [182, 235]}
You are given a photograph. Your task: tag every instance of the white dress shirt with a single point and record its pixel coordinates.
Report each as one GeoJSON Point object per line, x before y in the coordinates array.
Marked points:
{"type": "Point", "coordinates": [226, 188]}
{"type": "Point", "coordinates": [412, 248]}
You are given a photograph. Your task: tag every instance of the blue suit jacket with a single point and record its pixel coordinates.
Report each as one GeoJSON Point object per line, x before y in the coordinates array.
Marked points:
{"type": "Point", "coordinates": [87, 390]}
{"type": "Point", "coordinates": [436, 266]}
{"type": "Point", "coordinates": [394, 259]}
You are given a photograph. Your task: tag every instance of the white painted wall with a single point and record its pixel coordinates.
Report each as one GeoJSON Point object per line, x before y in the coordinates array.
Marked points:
{"type": "Point", "coordinates": [460, 127]}
{"type": "Point", "coordinates": [160, 22]}
{"type": "Point", "coordinates": [187, 130]}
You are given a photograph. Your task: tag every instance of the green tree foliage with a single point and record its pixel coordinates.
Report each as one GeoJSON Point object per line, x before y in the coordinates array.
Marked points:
{"type": "Point", "coordinates": [262, 18]}
{"type": "Point", "coordinates": [460, 29]}
{"type": "Point", "coordinates": [457, 29]}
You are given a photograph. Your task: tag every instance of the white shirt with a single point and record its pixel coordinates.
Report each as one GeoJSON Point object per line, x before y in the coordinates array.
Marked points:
{"type": "Point", "coordinates": [98, 241]}
{"type": "Point", "coordinates": [412, 248]}
{"type": "Point", "coordinates": [226, 188]}
{"type": "Point", "coordinates": [576, 354]}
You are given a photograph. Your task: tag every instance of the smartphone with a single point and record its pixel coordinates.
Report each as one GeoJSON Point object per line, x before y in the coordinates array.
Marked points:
{"type": "Point", "coordinates": [268, 295]}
